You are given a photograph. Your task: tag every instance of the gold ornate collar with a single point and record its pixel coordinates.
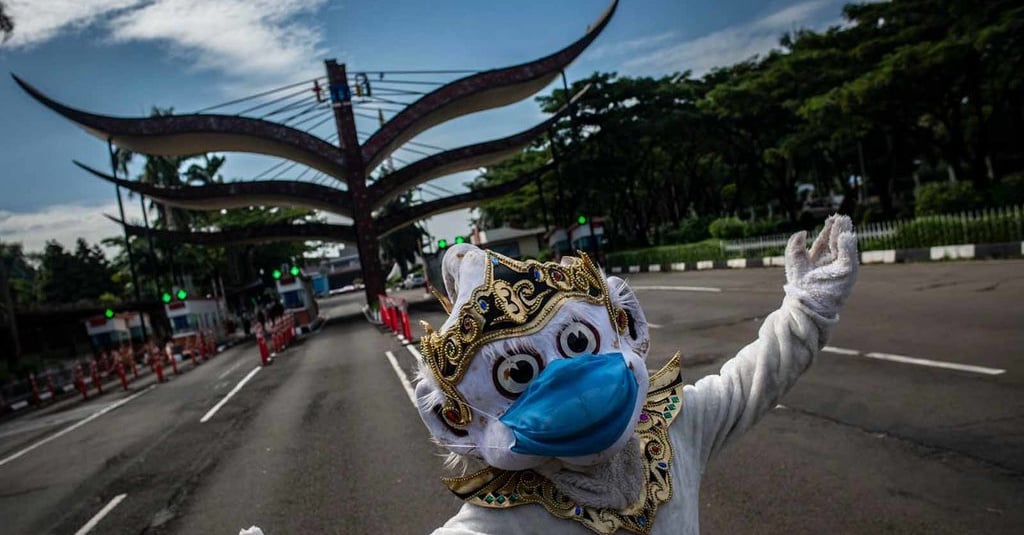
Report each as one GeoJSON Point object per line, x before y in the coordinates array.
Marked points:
{"type": "Point", "coordinates": [501, 489]}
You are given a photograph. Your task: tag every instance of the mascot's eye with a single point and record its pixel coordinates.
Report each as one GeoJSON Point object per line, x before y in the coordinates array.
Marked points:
{"type": "Point", "coordinates": [514, 372]}
{"type": "Point", "coordinates": [578, 338]}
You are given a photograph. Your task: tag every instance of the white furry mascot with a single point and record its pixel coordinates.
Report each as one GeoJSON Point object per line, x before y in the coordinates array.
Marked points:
{"type": "Point", "coordinates": [539, 376]}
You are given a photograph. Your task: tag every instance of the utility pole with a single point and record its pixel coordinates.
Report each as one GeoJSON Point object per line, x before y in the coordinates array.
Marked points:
{"type": "Point", "coordinates": [8, 308]}
{"type": "Point", "coordinates": [355, 177]}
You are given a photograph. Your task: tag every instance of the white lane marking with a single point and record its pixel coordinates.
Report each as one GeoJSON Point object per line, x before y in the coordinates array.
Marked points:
{"type": "Point", "coordinates": [229, 370]}
{"type": "Point", "coordinates": [401, 377]}
{"type": "Point", "coordinates": [679, 288]}
{"type": "Point", "coordinates": [233, 391]}
{"type": "Point", "coordinates": [99, 516]}
{"type": "Point", "coordinates": [840, 350]}
{"type": "Point", "coordinates": [16, 427]}
{"type": "Point", "coordinates": [916, 361]}
{"type": "Point", "coordinates": [936, 363]}
{"type": "Point", "coordinates": [415, 352]}
{"type": "Point", "coordinates": [76, 425]}
{"type": "Point", "coordinates": [655, 325]}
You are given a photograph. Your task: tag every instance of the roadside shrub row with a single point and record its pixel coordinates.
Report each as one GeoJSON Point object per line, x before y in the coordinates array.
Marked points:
{"type": "Point", "coordinates": [998, 225]}
{"type": "Point", "coordinates": [667, 254]}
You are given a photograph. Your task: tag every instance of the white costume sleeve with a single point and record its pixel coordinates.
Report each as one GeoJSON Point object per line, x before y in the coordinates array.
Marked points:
{"type": "Point", "coordinates": [719, 408]}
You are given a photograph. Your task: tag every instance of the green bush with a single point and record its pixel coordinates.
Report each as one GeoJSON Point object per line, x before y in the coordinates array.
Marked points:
{"type": "Point", "coordinates": [667, 254]}
{"type": "Point", "coordinates": [727, 228]}
{"type": "Point", "coordinates": [937, 198]}
{"type": "Point", "coordinates": [763, 227]}
{"type": "Point", "coordinates": [1009, 191]}
{"type": "Point", "coordinates": [692, 230]}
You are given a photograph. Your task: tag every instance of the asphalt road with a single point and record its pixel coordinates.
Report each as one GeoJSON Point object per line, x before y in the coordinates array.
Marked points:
{"type": "Point", "coordinates": [325, 440]}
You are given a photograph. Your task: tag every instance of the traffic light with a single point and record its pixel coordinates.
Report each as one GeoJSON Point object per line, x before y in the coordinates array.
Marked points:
{"type": "Point", "coordinates": [166, 297]}
{"type": "Point", "coordinates": [276, 274]}
{"type": "Point", "coordinates": [460, 239]}
{"type": "Point", "coordinates": [108, 313]}
{"type": "Point", "coordinates": [182, 295]}
{"type": "Point", "coordinates": [442, 244]}
{"type": "Point", "coordinates": [582, 220]}
{"type": "Point", "coordinates": [295, 271]}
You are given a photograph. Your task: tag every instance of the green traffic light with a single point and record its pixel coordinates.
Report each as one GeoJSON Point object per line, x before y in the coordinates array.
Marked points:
{"type": "Point", "coordinates": [442, 244]}
{"type": "Point", "coordinates": [108, 313]}
{"type": "Point", "coordinates": [295, 271]}
{"type": "Point", "coordinates": [182, 295]}
{"type": "Point", "coordinates": [460, 239]}
{"type": "Point", "coordinates": [582, 220]}
{"type": "Point", "coordinates": [276, 274]}
{"type": "Point", "coordinates": [166, 297]}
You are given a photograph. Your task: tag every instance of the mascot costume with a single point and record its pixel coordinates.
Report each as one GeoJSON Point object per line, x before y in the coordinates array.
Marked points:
{"type": "Point", "coordinates": [537, 385]}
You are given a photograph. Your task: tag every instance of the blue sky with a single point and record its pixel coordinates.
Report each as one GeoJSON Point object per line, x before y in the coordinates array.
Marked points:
{"type": "Point", "coordinates": [121, 57]}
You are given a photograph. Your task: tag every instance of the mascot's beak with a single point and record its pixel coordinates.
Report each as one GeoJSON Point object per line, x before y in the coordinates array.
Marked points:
{"type": "Point", "coordinates": [575, 407]}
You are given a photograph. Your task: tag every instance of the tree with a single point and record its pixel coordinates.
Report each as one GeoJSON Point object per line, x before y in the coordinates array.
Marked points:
{"type": "Point", "coordinates": [71, 277]}
{"type": "Point", "coordinates": [403, 245]}
{"type": "Point", "coordinates": [14, 269]}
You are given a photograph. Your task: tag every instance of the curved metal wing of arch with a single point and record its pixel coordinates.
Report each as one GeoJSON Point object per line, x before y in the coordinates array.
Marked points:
{"type": "Point", "coordinates": [327, 232]}
{"type": "Point", "coordinates": [477, 92]}
{"type": "Point", "coordinates": [391, 222]}
{"type": "Point", "coordinates": [182, 135]}
{"type": "Point", "coordinates": [452, 161]}
{"type": "Point", "coordinates": [239, 194]}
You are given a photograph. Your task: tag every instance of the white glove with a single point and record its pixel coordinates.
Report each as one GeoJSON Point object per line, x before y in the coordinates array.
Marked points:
{"type": "Point", "coordinates": [823, 278]}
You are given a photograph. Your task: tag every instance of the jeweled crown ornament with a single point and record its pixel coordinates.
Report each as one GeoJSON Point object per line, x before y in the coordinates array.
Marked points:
{"type": "Point", "coordinates": [517, 298]}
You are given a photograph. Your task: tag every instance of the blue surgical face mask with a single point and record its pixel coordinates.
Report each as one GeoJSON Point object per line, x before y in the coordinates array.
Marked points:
{"type": "Point", "coordinates": [578, 406]}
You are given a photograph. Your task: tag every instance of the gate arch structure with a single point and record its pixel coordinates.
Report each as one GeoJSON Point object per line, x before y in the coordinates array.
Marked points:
{"type": "Point", "coordinates": [348, 163]}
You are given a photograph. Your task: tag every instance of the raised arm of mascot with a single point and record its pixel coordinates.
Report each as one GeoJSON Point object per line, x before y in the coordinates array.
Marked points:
{"type": "Point", "coordinates": [537, 385]}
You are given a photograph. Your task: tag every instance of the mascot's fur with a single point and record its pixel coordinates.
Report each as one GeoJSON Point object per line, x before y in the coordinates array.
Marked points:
{"type": "Point", "coordinates": [645, 478]}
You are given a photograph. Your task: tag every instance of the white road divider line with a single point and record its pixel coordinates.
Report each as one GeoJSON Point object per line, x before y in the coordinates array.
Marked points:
{"type": "Point", "coordinates": [935, 363]}
{"type": "Point", "coordinates": [840, 350]}
{"type": "Point", "coordinates": [228, 396]}
{"type": "Point", "coordinates": [415, 352]}
{"type": "Point", "coordinates": [402, 377]}
{"type": "Point", "coordinates": [99, 516]}
{"type": "Point", "coordinates": [916, 361]}
{"type": "Point", "coordinates": [679, 288]}
{"type": "Point", "coordinates": [76, 425]}
{"type": "Point", "coordinates": [229, 370]}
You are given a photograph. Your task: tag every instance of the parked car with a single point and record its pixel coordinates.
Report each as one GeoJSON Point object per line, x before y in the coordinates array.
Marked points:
{"type": "Point", "coordinates": [414, 280]}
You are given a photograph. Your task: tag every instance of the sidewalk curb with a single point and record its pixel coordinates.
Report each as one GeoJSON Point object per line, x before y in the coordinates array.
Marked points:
{"type": "Point", "coordinates": [887, 256]}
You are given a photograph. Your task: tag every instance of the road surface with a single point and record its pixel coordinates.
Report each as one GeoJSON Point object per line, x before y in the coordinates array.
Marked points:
{"type": "Point", "coordinates": [911, 421]}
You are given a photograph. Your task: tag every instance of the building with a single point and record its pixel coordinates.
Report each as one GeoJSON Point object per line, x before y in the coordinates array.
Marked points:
{"type": "Point", "coordinates": [588, 237]}
{"type": "Point", "coordinates": [339, 271]}
{"type": "Point", "coordinates": [297, 298]}
{"type": "Point", "coordinates": [112, 333]}
{"type": "Point", "coordinates": [190, 317]}
{"type": "Point", "coordinates": [508, 241]}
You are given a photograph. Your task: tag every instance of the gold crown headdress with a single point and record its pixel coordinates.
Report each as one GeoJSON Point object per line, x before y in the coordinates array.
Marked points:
{"type": "Point", "coordinates": [517, 298]}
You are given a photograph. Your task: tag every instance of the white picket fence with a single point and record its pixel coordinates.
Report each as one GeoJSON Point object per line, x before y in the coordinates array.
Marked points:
{"type": "Point", "coordinates": [976, 226]}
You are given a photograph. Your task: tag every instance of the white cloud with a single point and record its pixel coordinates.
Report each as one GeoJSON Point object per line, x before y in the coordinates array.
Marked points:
{"type": "Point", "coordinates": [732, 44]}
{"type": "Point", "coordinates": [261, 39]}
{"type": "Point", "coordinates": [630, 46]}
{"type": "Point", "coordinates": [36, 22]}
{"type": "Point", "coordinates": [65, 223]}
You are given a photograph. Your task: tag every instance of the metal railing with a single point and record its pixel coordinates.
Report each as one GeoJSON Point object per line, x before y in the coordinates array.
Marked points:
{"type": "Point", "coordinates": [990, 225]}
